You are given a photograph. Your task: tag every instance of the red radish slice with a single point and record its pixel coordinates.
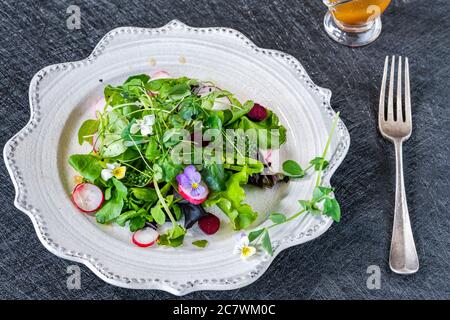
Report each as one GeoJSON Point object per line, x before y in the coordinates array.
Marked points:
{"type": "Point", "coordinates": [87, 197]}
{"type": "Point", "coordinates": [203, 91]}
{"type": "Point", "coordinates": [160, 74]}
{"type": "Point", "coordinates": [209, 224]}
{"type": "Point", "coordinates": [145, 237]}
{"type": "Point", "coordinates": [99, 106]}
{"type": "Point", "coordinates": [194, 200]}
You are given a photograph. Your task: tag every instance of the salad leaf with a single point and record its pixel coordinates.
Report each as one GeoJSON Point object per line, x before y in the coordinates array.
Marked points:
{"type": "Point", "coordinates": [200, 243]}
{"type": "Point", "coordinates": [321, 192]}
{"type": "Point", "coordinates": [231, 200]}
{"type": "Point", "coordinates": [213, 122]}
{"type": "Point", "coordinates": [145, 194]}
{"type": "Point", "coordinates": [177, 211]}
{"type": "Point", "coordinates": [277, 218]}
{"type": "Point", "coordinates": [255, 234]}
{"type": "Point", "coordinates": [108, 193]}
{"type": "Point", "coordinates": [266, 243]}
{"type": "Point", "coordinates": [215, 176]}
{"type": "Point", "coordinates": [152, 151]}
{"type": "Point", "coordinates": [87, 165]}
{"type": "Point", "coordinates": [121, 190]}
{"type": "Point", "coordinates": [110, 210]}
{"type": "Point", "coordinates": [112, 146]}
{"type": "Point", "coordinates": [293, 169]}
{"type": "Point", "coordinates": [190, 109]}
{"type": "Point", "coordinates": [113, 208]}
{"type": "Point", "coordinates": [116, 122]}
{"type": "Point", "coordinates": [87, 130]}
{"type": "Point", "coordinates": [124, 217]}
{"type": "Point", "coordinates": [173, 137]}
{"type": "Point", "coordinates": [158, 214]}
{"type": "Point", "coordinates": [332, 209]}
{"type": "Point", "coordinates": [143, 78]}
{"type": "Point", "coordinates": [137, 223]}
{"type": "Point", "coordinates": [267, 131]}
{"type": "Point", "coordinates": [236, 113]}
{"type": "Point", "coordinates": [319, 163]}
{"type": "Point", "coordinates": [173, 237]}
{"type": "Point", "coordinates": [170, 169]}
{"type": "Point", "coordinates": [180, 91]}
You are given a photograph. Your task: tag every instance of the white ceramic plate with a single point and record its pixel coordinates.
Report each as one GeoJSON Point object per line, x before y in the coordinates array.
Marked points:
{"type": "Point", "coordinates": [63, 95]}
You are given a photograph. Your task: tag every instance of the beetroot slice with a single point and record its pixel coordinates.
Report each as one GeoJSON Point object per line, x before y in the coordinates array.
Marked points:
{"type": "Point", "coordinates": [257, 113]}
{"type": "Point", "coordinates": [209, 224]}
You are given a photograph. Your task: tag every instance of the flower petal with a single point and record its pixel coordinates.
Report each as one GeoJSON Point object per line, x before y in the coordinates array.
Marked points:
{"type": "Point", "coordinates": [191, 172]}
{"type": "Point", "coordinates": [201, 189]}
{"type": "Point", "coordinates": [237, 250]}
{"type": "Point", "coordinates": [244, 242]}
{"type": "Point", "coordinates": [106, 174]}
{"type": "Point", "coordinates": [149, 120]}
{"type": "Point", "coordinates": [111, 166]}
{"type": "Point", "coordinates": [119, 172]}
{"type": "Point", "coordinates": [146, 130]}
{"type": "Point", "coordinates": [247, 252]}
{"type": "Point", "coordinates": [194, 192]}
{"type": "Point", "coordinates": [183, 181]}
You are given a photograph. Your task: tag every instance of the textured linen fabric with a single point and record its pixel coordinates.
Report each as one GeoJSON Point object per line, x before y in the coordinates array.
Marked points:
{"type": "Point", "coordinates": [33, 34]}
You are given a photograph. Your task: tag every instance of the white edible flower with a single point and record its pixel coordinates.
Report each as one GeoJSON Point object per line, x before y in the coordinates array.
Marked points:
{"type": "Point", "coordinates": [145, 125]}
{"type": "Point", "coordinates": [113, 170]}
{"type": "Point", "coordinates": [244, 249]}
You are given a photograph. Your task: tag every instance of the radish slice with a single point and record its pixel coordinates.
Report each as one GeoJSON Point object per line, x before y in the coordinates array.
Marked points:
{"type": "Point", "coordinates": [99, 106]}
{"type": "Point", "coordinates": [192, 199]}
{"type": "Point", "coordinates": [160, 74]}
{"type": "Point", "coordinates": [87, 197]}
{"type": "Point", "coordinates": [145, 237]}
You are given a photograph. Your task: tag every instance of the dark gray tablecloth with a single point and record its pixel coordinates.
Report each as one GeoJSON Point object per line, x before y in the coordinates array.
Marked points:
{"type": "Point", "coordinates": [33, 34]}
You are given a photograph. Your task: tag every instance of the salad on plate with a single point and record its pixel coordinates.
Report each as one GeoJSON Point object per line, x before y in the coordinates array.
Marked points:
{"type": "Point", "coordinates": [164, 150]}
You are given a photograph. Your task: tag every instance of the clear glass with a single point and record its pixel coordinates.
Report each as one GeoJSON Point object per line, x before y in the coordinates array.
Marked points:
{"type": "Point", "coordinates": [354, 23]}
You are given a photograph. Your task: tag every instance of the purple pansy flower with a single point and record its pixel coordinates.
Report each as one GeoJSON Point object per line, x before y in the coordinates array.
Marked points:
{"type": "Point", "coordinates": [191, 182]}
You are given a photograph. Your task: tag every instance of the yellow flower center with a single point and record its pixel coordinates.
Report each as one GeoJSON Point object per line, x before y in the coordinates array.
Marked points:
{"type": "Point", "coordinates": [194, 185]}
{"type": "Point", "coordinates": [119, 172]}
{"type": "Point", "coordinates": [246, 251]}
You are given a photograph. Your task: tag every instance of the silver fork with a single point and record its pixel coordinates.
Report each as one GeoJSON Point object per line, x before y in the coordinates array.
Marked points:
{"type": "Point", "coordinates": [396, 126]}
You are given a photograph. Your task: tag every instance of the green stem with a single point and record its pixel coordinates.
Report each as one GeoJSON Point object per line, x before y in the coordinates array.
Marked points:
{"type": "Point", "coordinates": [327, 146]}
{"type": "Point", "coordinates": [163, 202]}
{"type": "Point", "coordinates": [140, 153]}
{"type": "Point", "coordinates": [288, 219]}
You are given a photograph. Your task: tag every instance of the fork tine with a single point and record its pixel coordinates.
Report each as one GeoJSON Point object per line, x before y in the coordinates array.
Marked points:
{"type": "Point", "coordinates": [399, 91]}
{"type": "Point", "coordinates": [381, 115]}
{"type": "Point", "coordinates": [408, 117]}
{"type": "Point", "coordinates": [390, 109]}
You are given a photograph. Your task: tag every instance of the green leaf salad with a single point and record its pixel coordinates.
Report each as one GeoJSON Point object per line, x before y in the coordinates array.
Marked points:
{"type": "Point", "coordinates": [166, 149]}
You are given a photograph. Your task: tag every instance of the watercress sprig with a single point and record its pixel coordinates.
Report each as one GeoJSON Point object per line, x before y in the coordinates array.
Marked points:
{"type": "Point", "coordinates": [322, 201]}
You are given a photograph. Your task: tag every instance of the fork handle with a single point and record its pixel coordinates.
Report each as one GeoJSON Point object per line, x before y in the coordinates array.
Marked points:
{"type": "Point", "coordinates": [403, 257]}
